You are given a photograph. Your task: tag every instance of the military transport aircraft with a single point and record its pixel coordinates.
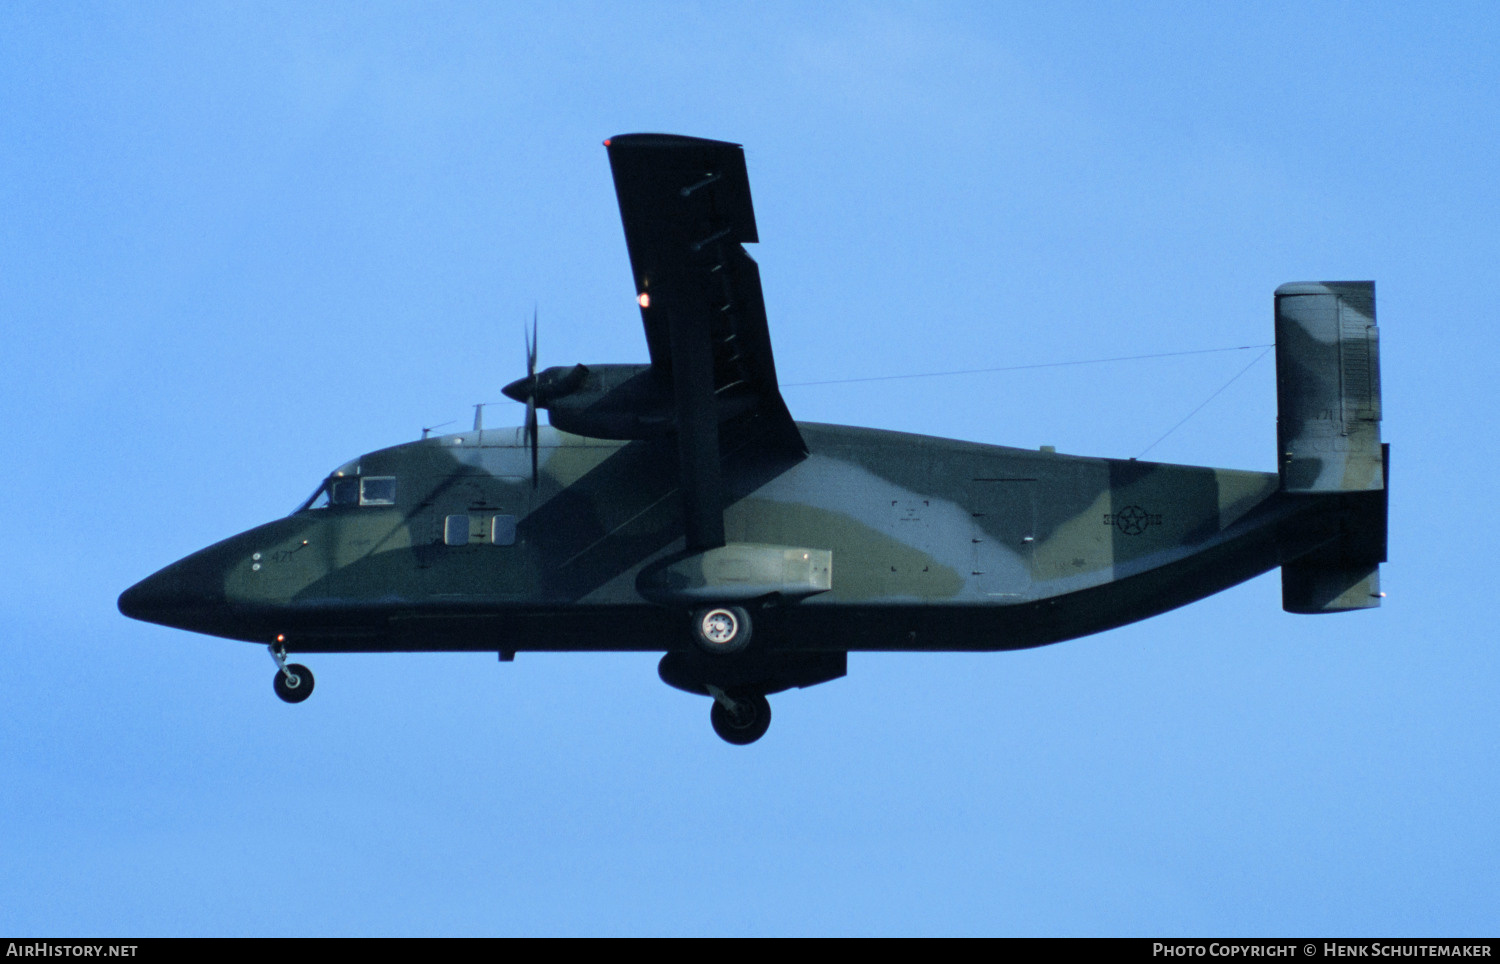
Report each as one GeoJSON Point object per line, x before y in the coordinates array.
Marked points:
{"type": "Point", "coordinates": [676, 506]}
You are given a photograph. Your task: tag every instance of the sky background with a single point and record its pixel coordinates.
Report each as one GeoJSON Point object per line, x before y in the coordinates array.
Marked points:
{"type": "Point", "coordinates": [243, 243]}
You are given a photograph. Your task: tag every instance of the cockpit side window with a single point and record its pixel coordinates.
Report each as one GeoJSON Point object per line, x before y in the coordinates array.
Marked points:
{"type": "Point", "coordinates": [377, 490]}
{"type": "Point", "coordinates": [344, 491]}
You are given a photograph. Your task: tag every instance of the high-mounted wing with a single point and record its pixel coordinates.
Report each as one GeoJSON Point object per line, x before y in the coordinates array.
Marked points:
{"type": "Point", "coordinates": [685, 204]}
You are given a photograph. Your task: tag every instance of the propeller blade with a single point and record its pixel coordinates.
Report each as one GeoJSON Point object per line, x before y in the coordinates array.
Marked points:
{"type": "Point", "coordinates": [531, 389]}
{"type": "Point", "coordinates": [531, 346]}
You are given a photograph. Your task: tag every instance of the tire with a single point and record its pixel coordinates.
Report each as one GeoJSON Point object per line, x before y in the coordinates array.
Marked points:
{"type": "Point", "coordinates": [751, 725]}
{"type": "Point", "coordinates": [721, 630]}
{"type": "Point", "coordinates": [301, 691]}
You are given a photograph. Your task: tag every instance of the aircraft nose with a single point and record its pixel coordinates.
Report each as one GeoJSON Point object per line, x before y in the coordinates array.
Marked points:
{"type": "Point", "coordinates": [176, 596]}
{"type": "Point", "coordinates": [143, 599]}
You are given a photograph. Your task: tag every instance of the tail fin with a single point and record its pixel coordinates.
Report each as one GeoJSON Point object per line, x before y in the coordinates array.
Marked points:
{"type": "Point", "coordinates": [1328, 387]}
{"type": "Point", "coordinates": [1328, 434]}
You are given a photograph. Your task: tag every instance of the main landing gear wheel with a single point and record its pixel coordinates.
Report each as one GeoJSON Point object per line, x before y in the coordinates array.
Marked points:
{"type": "Point", "coordinates": [294, 685]}
{"type": "Point", "coordinates": [721, 629]}
{"type": "Point", "coordinates": [747, 719]}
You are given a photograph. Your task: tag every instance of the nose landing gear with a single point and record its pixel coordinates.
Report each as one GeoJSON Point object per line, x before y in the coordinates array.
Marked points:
{"type": "Point", "coordinates": [293, 682]}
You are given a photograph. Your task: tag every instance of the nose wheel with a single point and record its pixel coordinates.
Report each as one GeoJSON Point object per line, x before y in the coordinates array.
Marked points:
{"type": "Point", "coordinates": [293, 682]}
{"type": "Point", "coordinates": [740, 719]}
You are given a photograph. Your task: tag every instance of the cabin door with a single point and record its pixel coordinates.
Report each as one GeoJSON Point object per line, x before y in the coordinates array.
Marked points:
{"type": "Point", "coordinates": [1003, 511]}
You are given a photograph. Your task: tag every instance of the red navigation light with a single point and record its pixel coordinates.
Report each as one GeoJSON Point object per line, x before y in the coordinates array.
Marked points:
{"type": "Point", "coordinates": [643, 299]}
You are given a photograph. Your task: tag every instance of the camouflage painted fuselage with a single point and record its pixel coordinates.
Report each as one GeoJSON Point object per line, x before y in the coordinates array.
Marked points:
{"type": "Point", "coordinates": [677, 507]}
{"type": "Point", "coordinates": [936, 545]}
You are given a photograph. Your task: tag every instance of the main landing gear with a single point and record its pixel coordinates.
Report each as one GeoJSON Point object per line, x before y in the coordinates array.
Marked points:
{"type": "Point", "coordinates": [741, 719]}
{"type": "Point", "coordinates": [740, 714]}
{"type": "Point", "coordinates": [293, 682]}
{"type": "Point", "coordinates": [721, 630]}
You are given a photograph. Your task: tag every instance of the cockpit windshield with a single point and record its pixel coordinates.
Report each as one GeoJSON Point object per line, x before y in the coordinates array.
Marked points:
{"type": "Point", "coordinates": [346, 488]}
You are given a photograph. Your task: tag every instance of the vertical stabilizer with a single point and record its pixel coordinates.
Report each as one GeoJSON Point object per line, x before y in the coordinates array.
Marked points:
{"type": "Point", "coordinates": [1328, 436]}
{"type": "Point", "coordinates": [1328, 387]}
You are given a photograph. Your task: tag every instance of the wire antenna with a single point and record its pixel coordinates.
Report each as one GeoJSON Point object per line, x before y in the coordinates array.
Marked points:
{"type": "Point", "coordinates": [1205, 402]}
{"type": "Point", "coordinates": [1017, 368]}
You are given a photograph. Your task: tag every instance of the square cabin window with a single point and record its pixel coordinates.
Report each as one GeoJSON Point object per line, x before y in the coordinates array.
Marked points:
{"type": "Point", "coordinates": [456, 530]}
{"type": "Point", "coordinates": [377, 490]}
{"type": "Point", "coordinates": [503, 530]}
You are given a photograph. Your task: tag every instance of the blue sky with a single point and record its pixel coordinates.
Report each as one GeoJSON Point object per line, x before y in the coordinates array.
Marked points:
{"type": "Point", "coordinates": [240, 244]}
